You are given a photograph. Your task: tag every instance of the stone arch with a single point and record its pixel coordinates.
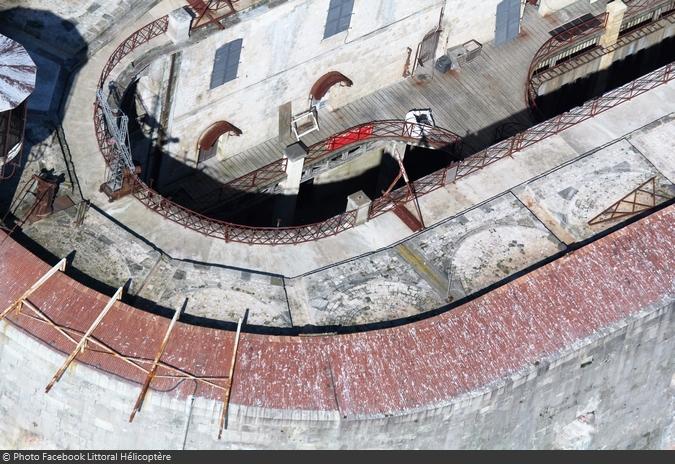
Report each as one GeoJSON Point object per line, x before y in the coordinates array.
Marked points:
{"type": "Point", "coordinates": [208, 141]}
{"type": "Point", "coordinates": [323, 85]}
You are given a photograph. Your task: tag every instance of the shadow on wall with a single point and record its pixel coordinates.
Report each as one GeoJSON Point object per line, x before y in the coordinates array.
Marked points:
{"type": "Point", "coordinates": [198, 191]}
{"type": "Point", "coordinates": [59, 51]}
{"type": "Point", "coordinates": [594, 85]}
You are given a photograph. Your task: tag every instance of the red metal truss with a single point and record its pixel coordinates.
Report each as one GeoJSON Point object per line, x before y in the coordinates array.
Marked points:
{"type": "Point", "coordinates": [210, 11]}
{"type": "Point", "coordinates": [642, 198]}
{"type": "Point", "coordinates": [135, 40]}
{"type": "Point", "coordinates": [410, 133]}
{"type": "Point", "coordinates": [522, 140]}
{"type": "Point", "coordinates": [593, 28]}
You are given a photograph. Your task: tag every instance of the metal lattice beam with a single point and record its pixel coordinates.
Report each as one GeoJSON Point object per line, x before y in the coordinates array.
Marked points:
{"type": "Point", "coordinates": [642, 198]}
{"type": "Point", "coordinates": [116, 124]}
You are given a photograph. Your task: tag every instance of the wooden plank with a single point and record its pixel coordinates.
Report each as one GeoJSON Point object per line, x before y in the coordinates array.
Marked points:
{"type": "Point", "coordinates": [81, 344]}
{"type": "Point", "coordinates": [155, 363]}
{"type": "Point", "coordinates": [60, 266]}
{"type": "Point", "coordinates": [228, 389]}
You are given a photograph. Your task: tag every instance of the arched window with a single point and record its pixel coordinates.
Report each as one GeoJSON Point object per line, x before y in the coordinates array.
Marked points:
{"type": "Point", "coordinates": [325, 82]}
{"type": "Point", "coordinates": [208, 142]}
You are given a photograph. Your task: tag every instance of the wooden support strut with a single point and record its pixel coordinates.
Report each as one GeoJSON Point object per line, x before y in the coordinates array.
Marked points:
{"type": "Point", "coordinates": [411, 190]}
{"type": "Point", "coordinates": [155, 364]}
{"type": "Point", "coordinates": [132, 361]}
{"type": "Point", "coordinates": [60, 266]}
{"type": "Point", "coordinates": [228, 389]}
{"type": "Point", "coordinates": [79, 348]}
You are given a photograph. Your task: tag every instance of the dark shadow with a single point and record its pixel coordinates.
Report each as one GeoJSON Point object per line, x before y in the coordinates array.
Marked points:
{"type": "Point", "coordinates": [619, 73]}
{"type": "Point", "coordinates": [319, 200]}
{"type": "Point", "coordinates": [327, 199]}
{"type": "Point", "coordinates": [59, 51]}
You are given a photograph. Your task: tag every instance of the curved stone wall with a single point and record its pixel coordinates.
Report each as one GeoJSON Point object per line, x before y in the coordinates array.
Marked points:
{"type": "Point", "coordinates": [574, 354]}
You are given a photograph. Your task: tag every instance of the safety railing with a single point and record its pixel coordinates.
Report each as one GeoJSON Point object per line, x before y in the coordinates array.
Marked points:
{"type": "Point", "coordinates": [564, 121]}
{"type": "Point", "coordinates": [394, 129]}
{"type": "Point", "coordinates": [409, 132]}
{"type": "Point", "coordinates": [587, 33]}
{"type": "Point", "coordinates": [187, 217]}
{"type": "Point", "coordinates": [240, 233]}
{"type": "Point", "coordinates": [135, 40]}
{"type": "Point", "coordinates": [433, 137]}
{"type": "Point", "coordinates": [259, 178]}
{"type": "Point", "coordinates": [522, 140]}
{"type": "Point", "coordinates": [585, 37]}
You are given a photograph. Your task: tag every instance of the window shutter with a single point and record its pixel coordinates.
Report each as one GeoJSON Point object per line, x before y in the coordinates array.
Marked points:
{"type": "Point", "coordinates": [508, 21]}
{"type": "Point", "coordinates": [339, 17]}
{"type": "Point", "coordinates": [226, 63]}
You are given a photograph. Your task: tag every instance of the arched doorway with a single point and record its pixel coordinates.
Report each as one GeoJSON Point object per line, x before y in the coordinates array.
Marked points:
{"type": "Point", "coordinates": [208, 142]}
{"type": "Point", "coordinates": [320, 93]}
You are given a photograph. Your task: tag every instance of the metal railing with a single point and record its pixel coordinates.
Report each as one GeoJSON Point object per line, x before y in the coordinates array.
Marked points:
{"type": "Point", "coordinates": [185, 216]}
{"type": "Point", "coordinates": [584, 38]}
{"type": "Point", "coordinates": [239, 233]}
{"type": "Point", "coordinates": [564, 121]}
{"type": "Point", "coordinates": [135, 40]}
{"type": "Point", "coordinates": [391, 129]}
{"type": "Point", "coordinates": [436, 138]}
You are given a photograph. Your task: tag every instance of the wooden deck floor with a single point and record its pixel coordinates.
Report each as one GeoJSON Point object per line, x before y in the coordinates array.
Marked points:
{"type": "Point", "coordinates": [472, 102]}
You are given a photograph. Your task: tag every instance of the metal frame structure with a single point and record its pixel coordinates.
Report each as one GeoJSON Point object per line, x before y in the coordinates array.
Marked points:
{"type": "Point", "coordinates": [19, 302]}
{"type": "Point", "coordinates": [117, 126]}
{"type": "Point", "coordinates": [79, 348]}
{"type": "Point", "coordinates": [211, 12]}
{"type": "Point", "coordinates": [554, 56]}
{"type": "Point", "coordinates": [417, 223]}
{"type": "Point", "coordinates": [631, 204]}
{"type": "Point", "coordinates": [527, 138]}
{"type": "Point", "coordinates": [395, 130]}
{"type": "Point", "coordinates": [83, 341]}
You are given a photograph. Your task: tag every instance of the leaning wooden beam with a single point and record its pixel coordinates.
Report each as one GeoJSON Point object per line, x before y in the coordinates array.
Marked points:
{"type": "Point", "coordinates": [155, 363]}
{"type": "Point", "coordinates": [228, 389]}
{"type": "Point", "coordinates": [81, 344]}
{"type": "Point", "coordinates": [60, 266]}
{"type": "Point", "coordinates": [133, 361]}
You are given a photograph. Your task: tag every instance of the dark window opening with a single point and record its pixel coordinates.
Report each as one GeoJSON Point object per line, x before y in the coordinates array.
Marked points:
{"type": "Point", "coordinates": [339, 17]}
{"type": "Point", "coordinates": [208, 153]}
{"type": "Point", "coordinates": [575, 27]}
{"type": "Point", "coordinates": [226, 63]}
{"type": "Point", "coordinates": [208, 142]}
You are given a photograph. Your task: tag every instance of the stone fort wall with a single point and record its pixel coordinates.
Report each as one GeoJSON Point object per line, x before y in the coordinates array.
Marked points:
{"type": "Point", "coordinates": [612, 391]}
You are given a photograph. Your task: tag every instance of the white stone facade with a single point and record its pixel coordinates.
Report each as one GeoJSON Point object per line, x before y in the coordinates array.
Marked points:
{"type": "Point", "coordinates": [284, 53]}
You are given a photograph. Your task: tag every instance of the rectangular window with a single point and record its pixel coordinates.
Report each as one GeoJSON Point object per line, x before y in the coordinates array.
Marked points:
{"type": "Point", "coordinates": [226, 63]}
{"type": "Point", "coordinates": [339, 17]}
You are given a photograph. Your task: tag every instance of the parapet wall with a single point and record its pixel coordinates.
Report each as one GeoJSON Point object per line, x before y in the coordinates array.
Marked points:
{"type": "Point", "coordinates": [613, 392]}
{"type": "Point", "coordinates": [574, 354]}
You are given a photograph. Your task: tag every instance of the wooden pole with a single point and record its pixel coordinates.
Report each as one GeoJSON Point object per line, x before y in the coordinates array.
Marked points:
{"type": "Point", "coordinates": [81, 345]}
{"type": "Point", "coordinates": [153, 370]}
{"type": "Point", "coordinates": [60, 266]}
{"type": "Point", "coordinates": [226, 397]}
